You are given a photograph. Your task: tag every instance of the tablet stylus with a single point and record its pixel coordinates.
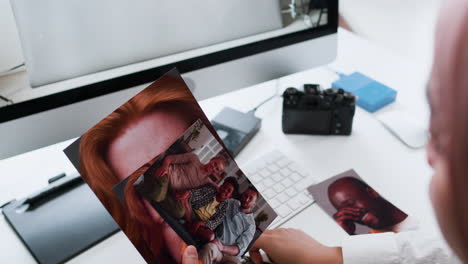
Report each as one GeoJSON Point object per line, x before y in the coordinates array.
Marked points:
{"type": "Point", "coordinates": [50, 190]}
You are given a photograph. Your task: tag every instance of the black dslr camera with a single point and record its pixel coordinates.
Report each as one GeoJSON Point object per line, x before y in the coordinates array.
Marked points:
{"type": "Point", "coordinates": [328, 112]}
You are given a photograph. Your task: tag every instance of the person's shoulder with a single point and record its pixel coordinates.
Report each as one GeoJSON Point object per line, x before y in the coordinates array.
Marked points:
{"type": "Point", "coordinates": [251, 217]}
{"type": "Point", "coordinates": [232, 201]}
{"type": "Point", "coordinates": [208, 186]}
{"type": "Point", "coordinates": [190, 154]}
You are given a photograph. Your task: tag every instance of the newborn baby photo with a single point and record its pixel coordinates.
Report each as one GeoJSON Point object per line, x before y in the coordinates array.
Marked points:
{"type": "Point", "coordinates": [358, 208]}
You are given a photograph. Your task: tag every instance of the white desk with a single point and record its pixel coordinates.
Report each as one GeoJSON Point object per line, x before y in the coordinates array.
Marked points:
{"type": "Point", "coordinates": [398, 173]}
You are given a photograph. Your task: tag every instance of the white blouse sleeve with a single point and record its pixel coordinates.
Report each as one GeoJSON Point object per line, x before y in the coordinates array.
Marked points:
{"type": "Point", "coordinates": [390, 248]}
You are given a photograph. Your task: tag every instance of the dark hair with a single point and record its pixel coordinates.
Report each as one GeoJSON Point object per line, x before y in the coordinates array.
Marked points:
{"type": "Point", "coordinates": [234, 183]}
{"type": "Point", "coordinates": [251, 187]}
{"type": "Point", "coordinates": [350, 180]}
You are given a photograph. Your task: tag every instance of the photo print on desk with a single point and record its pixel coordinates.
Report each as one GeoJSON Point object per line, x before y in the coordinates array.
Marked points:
{"type": "Point", "coordinates": [358, 208]}
{"type": "Point", "coordinates": [162, 172]}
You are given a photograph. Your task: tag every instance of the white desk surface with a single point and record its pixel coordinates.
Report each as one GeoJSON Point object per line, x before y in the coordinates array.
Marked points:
{"type": "Point", "coordinates": [398, 173]}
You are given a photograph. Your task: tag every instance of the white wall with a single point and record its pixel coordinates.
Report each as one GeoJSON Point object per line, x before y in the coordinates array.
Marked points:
{"type": "Point", "coordinates": [10, 50]}
{"type": "Point", "coordinates": [403, 26]}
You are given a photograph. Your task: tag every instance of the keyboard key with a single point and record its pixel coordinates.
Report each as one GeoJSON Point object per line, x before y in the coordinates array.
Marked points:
{"type": "Point", "coordinates": [296, 167]}
{"type": "Point", "coordinates": [284, 210]}
{"type": "Point", "coordinates": [287, 182]}
{"type": "Point", "coordinates": [265, 173]}
{"type": "Point", "coordinates": [269, 194]}
{"type": "Point", "coordinates": [282, 198]}
{"type": "Point", "coordinates": [302, 172]}
{"type": "Point", "coordinates": [303, 198]}
{"type": "Point", "coordinates": [277, 177]}
{"type": "Point", "coordinates": [260, 186]}
{"type": "Point", "coordinates": [268, 182]}
{"type": "Point", "coordinates": [250, 170]}
{"type": "Point", "coordinates": [300, 186]}
{"type": "Point", "coordinates": [255, 178]}
{"type": "Point", "coordinates": [291, 192]}
{"type": "Point", "coordinates": [296, 177]}
{"type": "Point", "coordinates": [273, 168]}
{"type": "Point", "coordinates": [283, 162]}
{"type": "Point", "coordinates": [285, 171]}
{"type": "Point", "coordinates": [294, 203]}
{"type": "Point", "coordinates": [274, 203]}
{"type": "Point", "coordinates": [278, 188]}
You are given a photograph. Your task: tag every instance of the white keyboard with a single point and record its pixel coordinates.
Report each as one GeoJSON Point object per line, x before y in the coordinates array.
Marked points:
{"type": "Point", "coordinates": [282, 183]}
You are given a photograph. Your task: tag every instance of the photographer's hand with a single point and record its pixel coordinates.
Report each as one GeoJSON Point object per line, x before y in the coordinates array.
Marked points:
{"type": "Point", "coordinates": [285, 246]}
{"type": "Point", "coordinates": [190, 256]}
{"type": "Point", "coordinates": [229, 250]}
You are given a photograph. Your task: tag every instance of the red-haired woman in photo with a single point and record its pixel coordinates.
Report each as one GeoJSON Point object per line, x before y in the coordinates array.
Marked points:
{"type": "Point", "coordinates": [122, 143]}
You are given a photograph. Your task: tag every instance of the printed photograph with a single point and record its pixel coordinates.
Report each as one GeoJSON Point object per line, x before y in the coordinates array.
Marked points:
{"type": "Point", "coordinates": [201, 193]}
{"type": "Point", "coordinates": [162, 172]}
{"type": "Point", "coordinates": [357, 207]}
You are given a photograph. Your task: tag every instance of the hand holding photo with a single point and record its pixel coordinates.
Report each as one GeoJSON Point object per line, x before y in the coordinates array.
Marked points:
{"type": "Point", "coordinates": [358, 208]}
{"type": "Point", "coordinates": [188, 185]}
{"type": "Point", "coordinates": [162, 172]}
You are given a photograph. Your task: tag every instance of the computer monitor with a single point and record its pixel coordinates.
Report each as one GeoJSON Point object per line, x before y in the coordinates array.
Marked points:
{"type": "Point", "coordinates": [54, 112]}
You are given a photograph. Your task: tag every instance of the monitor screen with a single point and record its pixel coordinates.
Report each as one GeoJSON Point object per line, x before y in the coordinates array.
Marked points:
{"type": "Point", "coordinates": [75, 72]}
{"type": "Point", "coordinates": [265, 43]}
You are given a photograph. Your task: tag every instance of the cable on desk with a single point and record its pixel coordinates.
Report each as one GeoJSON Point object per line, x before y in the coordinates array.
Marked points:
{"type": "Point", "coordinates": [262, 103]}
{"type": "Point", "coordinates": [340, 74]}
{"type": "Point", "coordinates": [9, 101]}
{"type": "Point", "coordinates": [3, 98]}
{"type": "Point", "coordinates": [12, 69]}
{"type": "Point", "coordinates": [277, 86]}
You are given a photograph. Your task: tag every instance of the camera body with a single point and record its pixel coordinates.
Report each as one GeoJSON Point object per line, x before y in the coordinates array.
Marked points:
{"type": "Point", "coordinates": [318, 112]}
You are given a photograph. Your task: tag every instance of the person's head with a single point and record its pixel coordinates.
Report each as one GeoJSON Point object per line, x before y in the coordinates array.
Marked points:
{"type": "Point", "coordinates": [130, 137]}
{"type": "Point", "coordinates": [249, 198]}
{"type": "Point", "coordinates": [448, 147]}
{"type": "Point", "coordinates": [349, 192]}
{"type": "Point", "coordinates": [216, 165]}
{"type": "Point", "coordinates": [227, 189]}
